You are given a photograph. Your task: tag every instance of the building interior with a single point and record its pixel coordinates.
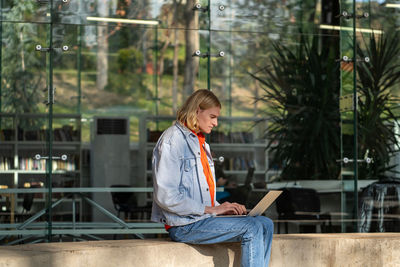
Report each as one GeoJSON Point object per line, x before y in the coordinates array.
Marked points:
{"type": "Point", "coordinates": [310, 105]}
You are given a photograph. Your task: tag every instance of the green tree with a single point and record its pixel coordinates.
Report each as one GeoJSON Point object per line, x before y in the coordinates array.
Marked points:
{"type": "Point", "coordinates": [129, 60]}
{"type": "Point", "coordinates": [23, 69]}
{"type": "Point", "coordinates": [125, 75]}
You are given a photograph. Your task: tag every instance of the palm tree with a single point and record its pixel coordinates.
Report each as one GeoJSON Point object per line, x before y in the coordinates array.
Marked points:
{"type": "Point", "coordinates": [301, 88]}
{"type": "Point", "coordinates": [377, 105]}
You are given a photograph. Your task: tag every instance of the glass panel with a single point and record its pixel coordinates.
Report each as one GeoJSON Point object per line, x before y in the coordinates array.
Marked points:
{"type": "Point", "coordinates": [164, 14]}
{"type": "Point", "coordinates": [244, 54]}
{"type": "Point", "coordinates": [31, 11]}
{"type": "Point", "coordinates": [119, 73]}
{"type": "Point", "coordinates": [180, 70]}
{"type": "Point", "coordinates": [378, 86]}
{"type": "Point", "coordinates": [349, 173]}
{"type": "Point", "coordinates": [23, 116]}
{"type": "Point", "coordinates": [22, 68]}
{"type": "Point", "coordinates": [295, 80]}
{"type": "Point", "coordinates": [277, 17]}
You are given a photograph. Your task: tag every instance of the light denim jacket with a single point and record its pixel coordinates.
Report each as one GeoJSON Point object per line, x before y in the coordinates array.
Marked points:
{"type": "Point", "coordinates": [181, 191]}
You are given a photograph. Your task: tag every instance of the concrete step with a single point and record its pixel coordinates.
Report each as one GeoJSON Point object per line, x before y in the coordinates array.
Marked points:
{"type": "Point", "coordinates": [297, 250]}
{"type": "Point", "coordinates": [356, 249]}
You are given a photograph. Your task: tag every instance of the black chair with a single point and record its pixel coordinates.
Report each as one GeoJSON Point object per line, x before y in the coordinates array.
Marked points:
{"type": "Point", "coordinates": [27, 203]}
{"type": "Point", "coordinates": [380, 207]}
{"type": "Point", "coordinates": [301, 206]}
{"type": "Point", "coordinates": [126, 203]}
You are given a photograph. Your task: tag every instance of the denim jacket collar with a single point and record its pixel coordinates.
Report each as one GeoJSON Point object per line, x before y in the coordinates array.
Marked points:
{"type": "Point", "coordinates": [184, 129]}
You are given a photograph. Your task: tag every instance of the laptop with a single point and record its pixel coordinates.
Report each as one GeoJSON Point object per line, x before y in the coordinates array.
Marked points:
{"type": "Point", "coordinates": [261, 206]}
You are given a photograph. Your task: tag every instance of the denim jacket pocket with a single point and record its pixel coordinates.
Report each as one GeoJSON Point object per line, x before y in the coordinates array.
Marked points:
{"type": "Point", "coordinates": [189, 164]}
{"type": "Point", "coordinates": [188, 174]}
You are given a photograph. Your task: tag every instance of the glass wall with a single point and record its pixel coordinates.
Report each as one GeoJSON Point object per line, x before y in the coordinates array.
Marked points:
{"type": "Point", "coordinates": [309, 92]}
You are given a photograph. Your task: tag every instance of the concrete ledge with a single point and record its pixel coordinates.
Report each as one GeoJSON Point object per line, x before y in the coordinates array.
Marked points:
{"type": "Point", "coordinates": [360, 249]}
{"type": "Point", "coordinates": [143, 253]}
{"type": "Point", "coordinates": [287, 250]}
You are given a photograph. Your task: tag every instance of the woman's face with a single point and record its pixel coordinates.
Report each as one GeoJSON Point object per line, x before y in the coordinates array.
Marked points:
{"type": "Point", "coordinates": [208, 119]}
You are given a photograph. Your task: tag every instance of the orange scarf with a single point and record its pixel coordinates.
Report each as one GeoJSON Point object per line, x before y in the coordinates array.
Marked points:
{"type": "Point", "coordinates": [206, 166]}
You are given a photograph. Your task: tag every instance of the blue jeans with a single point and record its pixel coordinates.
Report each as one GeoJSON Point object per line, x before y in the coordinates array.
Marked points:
{"type": "Point", "coordinates": [254, 233]}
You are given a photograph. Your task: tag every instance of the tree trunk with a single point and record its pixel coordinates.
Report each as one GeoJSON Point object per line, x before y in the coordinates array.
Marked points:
{"type": "Point", "coordinates": [175, 74]}
{"type": "Point", "coordinates": [160, 64]}
{"type": "Point", "coordinates": [102, 47]}
{"type": "Point", "coordinates": [192, 44]}
{"type": "Point", "coordinates": [175, 61]}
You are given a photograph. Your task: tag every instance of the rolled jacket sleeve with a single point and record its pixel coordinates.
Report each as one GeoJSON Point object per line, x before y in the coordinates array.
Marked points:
{"type": "Point", "coordinates": [169, 192]}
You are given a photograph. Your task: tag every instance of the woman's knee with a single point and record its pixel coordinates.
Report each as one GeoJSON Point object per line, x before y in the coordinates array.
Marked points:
{"type": "Point", "coordinates": [266, 222]}
{"type": "Point", "coordinates": [253, 227]}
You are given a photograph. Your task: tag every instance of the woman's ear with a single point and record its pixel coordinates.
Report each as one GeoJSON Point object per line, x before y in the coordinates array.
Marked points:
{"type": "Point", "coordinates": [198, 110]}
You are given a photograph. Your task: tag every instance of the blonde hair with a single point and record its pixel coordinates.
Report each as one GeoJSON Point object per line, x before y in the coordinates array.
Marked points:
{"type": "Point", "coordinates": [187, 114]}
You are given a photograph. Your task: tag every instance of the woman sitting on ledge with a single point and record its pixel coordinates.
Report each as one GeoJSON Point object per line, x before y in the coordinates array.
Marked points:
{"type": "Point", "coordinates": [184, 187]}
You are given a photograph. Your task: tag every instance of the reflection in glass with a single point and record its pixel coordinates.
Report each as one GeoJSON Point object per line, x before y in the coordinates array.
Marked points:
{"type": "Point", "coordinates": [23, 68]}
{"type": "Point", "coordinates": [137, 60]}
